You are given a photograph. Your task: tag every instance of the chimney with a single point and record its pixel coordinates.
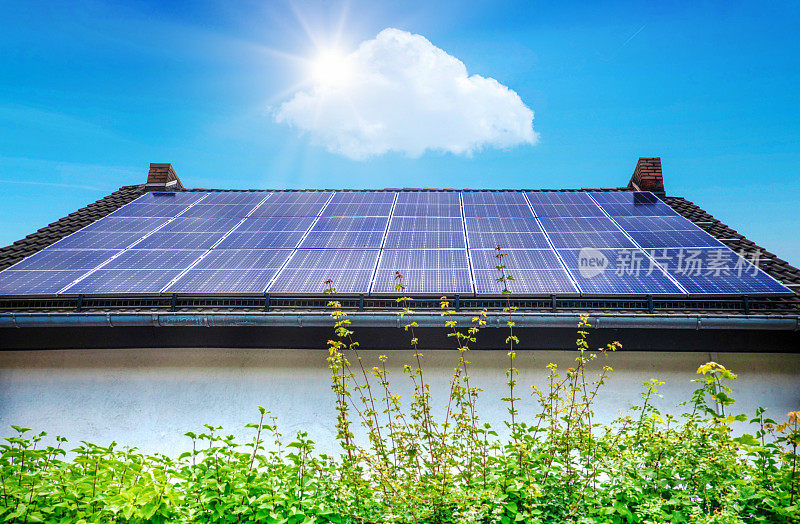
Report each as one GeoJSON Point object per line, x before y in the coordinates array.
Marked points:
{"type": "Point", "coordinates": [647, 175]}
{"type": "Point", "coordinates": [162, 177]}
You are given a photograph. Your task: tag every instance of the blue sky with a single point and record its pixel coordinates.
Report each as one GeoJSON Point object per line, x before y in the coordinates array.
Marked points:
{"type": "Point", "coordinates": [91, 93]}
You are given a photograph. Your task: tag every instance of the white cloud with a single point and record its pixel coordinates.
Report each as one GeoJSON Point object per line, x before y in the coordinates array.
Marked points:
{"type": "Point", "coordinates": [401, 93]}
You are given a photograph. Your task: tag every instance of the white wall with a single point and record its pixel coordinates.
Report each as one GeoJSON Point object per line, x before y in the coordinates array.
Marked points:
{"type": "Point", "coordinates": [150, 397]}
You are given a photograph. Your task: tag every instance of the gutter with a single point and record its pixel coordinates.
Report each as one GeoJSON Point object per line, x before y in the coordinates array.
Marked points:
{"type": "Point", "coordinates": [388, 320]}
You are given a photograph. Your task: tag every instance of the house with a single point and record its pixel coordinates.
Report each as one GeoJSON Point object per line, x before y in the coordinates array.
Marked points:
{"type": "Point", "coordinates": [160, 308]}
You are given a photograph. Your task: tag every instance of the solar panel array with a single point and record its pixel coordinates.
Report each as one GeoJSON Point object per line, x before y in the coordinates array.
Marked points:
{"type": "Point", "coordinates": [442, 242]}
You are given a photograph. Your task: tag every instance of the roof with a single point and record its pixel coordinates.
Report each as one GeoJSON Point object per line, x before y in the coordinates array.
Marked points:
{"type": "Point", "coordinates": [172, 310]}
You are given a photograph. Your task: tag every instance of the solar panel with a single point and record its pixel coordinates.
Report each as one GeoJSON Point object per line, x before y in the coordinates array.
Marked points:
{"type": "Point", "coordinates": [313, 281]}
{"type": "Point", "coordinates": [225, 281]}
{"type": "Point", "coordinates": [612, 242]}
{"type": "Point", "coordinates": [333, 258]}
{"type": "Point", "coordinates": [35, 282]}
{"type": "Point", "coordinates": [424, 240]}
{"type": "Point", "coordinates": [343, 239]}
{"type": "Point", "coordinates": [405, 259]}
{"type": "Point", "coordinates": [244, 259]}
{"type": "Point", "coordinates": [424, 281]}
{"type": "Point", "coordinates": [490, 240]}
{"type": "Point", "coordinates": [260, 240]}
{"type": "Point", "coordinates": [526, 281]}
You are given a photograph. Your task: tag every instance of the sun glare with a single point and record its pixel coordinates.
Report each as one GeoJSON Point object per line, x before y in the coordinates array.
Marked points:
{"type": "Point", "coordinates": [331, 68]}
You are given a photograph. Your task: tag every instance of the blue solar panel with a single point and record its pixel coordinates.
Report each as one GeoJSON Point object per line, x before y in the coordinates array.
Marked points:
{"type": "Point", "coordinates": [333, 258]}
{"type": "Point", "coordinates": [426, 224]}
{"type": "Point", "coordinates": [160, 240]}
{"type": "Point", "coordinates": [423, 259]}
{"type": "Point", "coordinates": [490, 240]}
{"type": "Point", "coordinates": [508, 225]}
{"type": "Point", "coordinates": [497, 210]}
{"type": "Point", "coordinates": [424, 240]}
{"type": "Point", "coordinates": [35, 282]}
{"type": "Point", "coordinates": [684, 239]}
{"type": "Point", "coordinates": [567, 210]}
{"type": "Point", "coordinates": [271, 208]}
{"type": "Point", "coordinates": [424, 281]}
{"type": "Point", "coordinates": [104, 281]}
{"type": "Point", "coordinates": [363, 197]}
{"type": "Point", "coordinates": [569, 198]}
{"type": "Point", "coordinates": [171, 197]}
{"type": "Point", "coordinates": [342, 240]}
{"type": "Point", "coordinates": [250, 198]}
{"type": "Point", "coordinates": [275, 224]}
{"type": "Point", "coordinates": [716, 271]}
{"type": "Point", "coordinates": [494, 197]}
{"type": "Point", "coordinates": [358, 210]}
{"type": "Point", "coordinates": [218, 210]}
{"type": "Point", "coordinates": [154, 259]}
{"type": "Point", "coordinates": [113, 224]}
{"type": "Point", "coordinates": [149, 210]}
{"type": "Point", "coordinates": [54, 259]}
{"type": "Point", "coordinates": [312, 281]}
{"type": "Point", "coordinates": [578, 225]}
{"type": "Point", "coordinates": [515, 259]}
{"type": "Point", "coordinates": [648, 223]}
{"type": "Point", "coordinates": [227, 281]}
{"type": "Point", "coordinates": [200, 225]}
{"type": "Point", "coordinates": [617, 271]}
{"type": "Point", "coordinates": [261, 240]}
{"type": "Point", "coordinates": [365, 223]}
{"type": "Point", "coordinates": [427, 210]}
{"type": "Point", "coordinates": [299, 197]}
{"type": "Point", "coordinates": [534, 282]}
{"type": "Point", "coordinates": [429, 197]}
{"type": "Point", "coordinates": [244, 259]}
{"type": "Point", "coordinates": [624, 197]}
{"type": "Point", "coordinates": [632, 204]}
{"type": "Point", "coordinates": [97, 240]}
{"type": "Point", "coordinates": [607, 239]}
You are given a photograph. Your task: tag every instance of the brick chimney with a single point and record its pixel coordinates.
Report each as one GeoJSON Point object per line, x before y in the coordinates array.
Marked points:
{"type": "Point", "coordinates": [647, 175]}
{"type": "Point", "coordinates": [162, 177]}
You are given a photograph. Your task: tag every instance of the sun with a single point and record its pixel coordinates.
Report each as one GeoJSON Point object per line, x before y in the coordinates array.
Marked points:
{"type": "Point", "coordinates": [331, 68]}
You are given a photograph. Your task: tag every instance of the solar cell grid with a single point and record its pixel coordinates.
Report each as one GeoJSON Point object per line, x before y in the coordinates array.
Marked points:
{"type": "Point", "coordinates": [272, 208]}
{"type": "Point", "coordinates": [358, 210]}
{"type": "Point", "coordinates": [430, 210]}
{"type": "Point", "coordinates": [227, 281]}
{"type": "Point", "coordinates": [508, 225]}
{"type": "Point", "coordinates": [363, 197]}
{"type": "Point", "coordinates": [648, 223]}
{"type": "Point", "coordinates": [105, 281]}
{"type": "Point", "coordinates": [332, 259]}
{"type": "Point", "coordinates": [261, 240]}
{"type": "Point", "coordinates": [558, 198]}
{"type": "Point", "coordinates": [114, 224]}
{"type": "Point", "coordinates": [35, 282]}
{"type": "Point", "coordinates": [429, 197]}
{"type": "Point", "coordinates": [97, 240]}
{"type": "Point", "coordinates": [424, 240]}
{"type": "Point", "coordinates": [299, 197]}
{"type": "Point", "coordinates": [172, 240]}
{"type": "Point", "coordinates": [154, 259]}
{"type": "Point", "coordinates": [493, 197]}
{"type": "Point", "coordinates": [200, 225]}
{"type": "Point", "coordinates": [250, 198]}
{"type": "Point", "coordinates": [534, 282]}
{"type": "Point", "coordinates": [451, 224]}
{"type": "Point", "coordinates": [424, 281]}
{"type": "Point", "coordinates": [657, 209]}
{"type": "Point", "coordinates": [393, 259]}
{"type": "Point", "coordinates": [365, 223]}
{"type": "Point", "coordinates": [497, 210]}
{"type": "Point", "coordinates": [313, 281]}
{"type": "Point", "coordinates": [567, 210]}
{"type": "Point", "coordinates": [607, 239]}
{"type": "Point", "coordinates": [135, 209]}
{"type": "Point", "coordinates": [578, 225]}
{"type": "Point", "coordinates": [686, 239]}
{"type": "Point", "coordinates": [55, 259]}
{"type": "Point", "coordinates": [343, 239]}
{"type": "Point", "coordinates": [268, 224]}
{"type": "Point", "coordinates": [515, 259]}
{"type": "Point", "coordinates": [244, 259]}
{"type": "Point", "coordinates": [490, 240]}
{"type": "Point", "coordinates": [219, 210]}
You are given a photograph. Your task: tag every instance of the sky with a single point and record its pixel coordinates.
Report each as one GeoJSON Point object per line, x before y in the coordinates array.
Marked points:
{"type": "Point", "coordinates": [421, 94]}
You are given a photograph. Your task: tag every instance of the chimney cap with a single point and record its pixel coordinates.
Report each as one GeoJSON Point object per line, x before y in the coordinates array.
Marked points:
{"type": "Point", "coordinates": [162, 177]}
{"type": "Point", "coordinates": [647, 176]}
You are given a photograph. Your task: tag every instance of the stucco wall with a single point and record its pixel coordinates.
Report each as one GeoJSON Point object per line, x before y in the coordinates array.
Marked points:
{"type": "Point", "coordinates": [150, 397]}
